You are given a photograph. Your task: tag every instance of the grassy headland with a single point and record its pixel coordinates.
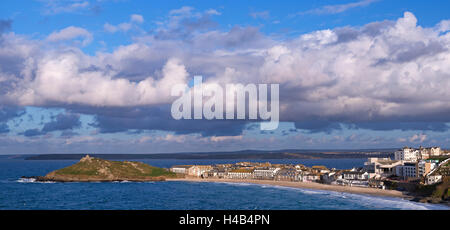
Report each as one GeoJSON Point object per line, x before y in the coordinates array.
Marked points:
{"type": "Point", "coordinates": [95, 169]}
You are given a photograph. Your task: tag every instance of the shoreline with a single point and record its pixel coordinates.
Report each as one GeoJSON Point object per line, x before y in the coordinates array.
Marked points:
{"type": "Point", "coordinates": [306, 185]}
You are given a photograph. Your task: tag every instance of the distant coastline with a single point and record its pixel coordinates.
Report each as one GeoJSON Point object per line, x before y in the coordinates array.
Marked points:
{"type": "Point", "coordinates": [244, 154]}
{"type": "Point", "coordinates": [305, 185]}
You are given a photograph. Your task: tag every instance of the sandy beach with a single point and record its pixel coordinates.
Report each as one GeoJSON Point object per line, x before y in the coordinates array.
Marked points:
{"type": "Point", "coordinates": [306, 185]}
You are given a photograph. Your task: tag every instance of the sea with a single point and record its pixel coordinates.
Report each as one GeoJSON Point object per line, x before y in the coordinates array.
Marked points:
{"type": "Point", "coordinates": [20, 194]}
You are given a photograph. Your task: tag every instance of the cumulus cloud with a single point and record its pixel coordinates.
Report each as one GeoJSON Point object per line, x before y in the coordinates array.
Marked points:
{"type": "Point", "coordinates": [185, 22]}
{"type": "Point", "coordinates": [444, 26]}
{"type": "Point", "coordinates": [67, 79]}
{"type": "Point", "coordinates": [137, 18]}
{"type": "Point", "coordinates": [70, 33]}
{"type": "Point", "coordinates": [120, 27]}
{"type": "Point", "coordinates": [69, 6]}
{"type": "Point", "coordinates": [368, 77]}
{"type": "Point", "coordinates": [418, 138]}
{"type": "Point", "coordinates": [381, 76]}
{"type": "Point", "coordinates": [213, 12]}
{"type": "Point", "coordinates": [125, 26]}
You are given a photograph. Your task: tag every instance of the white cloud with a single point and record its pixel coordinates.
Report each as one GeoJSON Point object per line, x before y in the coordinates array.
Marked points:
{"type": "Point", "coordinates": [68, 6]}
{"type": "Point", "coordinates": [444, 26]}
{"type": "Point", "coordinates": [192, 138]}
{"type": "Point", "coordinates": [367, 77]}
{"type": "Point", "coordinates": [383, 71]}
{"type": "Point", "coordinates": [339, 8]}
{"type": "Point", "coordinates": [418, 138]}
{"type": "Point", "coordinates": [60, 78]}
{"type": "Point", "coordinates": [225, 138]}
{"type": "Point", "coordinates": [213, 12]}
{"type": "Point", "coordinates": [70, 33]}
{"type": "Point", "coordinates": [125, 26]}
{"type": "Point", "coordinates": [185, 10]}
{"type": "Point", "coordinates": [137, 18]}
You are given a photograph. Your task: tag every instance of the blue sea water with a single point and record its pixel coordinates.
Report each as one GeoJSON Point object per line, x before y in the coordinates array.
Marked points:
{"type": "Point", "coordinates": [17, 194]}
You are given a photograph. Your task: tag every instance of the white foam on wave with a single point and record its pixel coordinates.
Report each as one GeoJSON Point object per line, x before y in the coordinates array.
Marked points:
{"type": "Point", "coordinates": [33, 180]}
{"type": "Point", "coordinates": [235, 183]}
{"type": "Point", "coordinates": [314, 192]}
{"type": "Point", "coordinates": [372, 202]}
{"type": "Point", "coordinates": [26, 180]}
{"type": "Point", "coordinates": [378, 202]}
{"type": "Point", "coordinates": [302, 190]}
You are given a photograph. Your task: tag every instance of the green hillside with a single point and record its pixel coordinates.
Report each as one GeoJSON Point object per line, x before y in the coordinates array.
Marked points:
{"type": "Point", "coordinates": [95, 169]}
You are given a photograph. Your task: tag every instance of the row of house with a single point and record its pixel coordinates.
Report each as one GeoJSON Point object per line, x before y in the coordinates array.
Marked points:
{"type": "Point", "coordinates": [191, 170]}
{"type": "Point", "coordinates": [386, 167]}
{"type": "Point", "coordinates": [408, 164]}
{"type": "Point", "coordinates": [382, 168]}
{"type": "Point", "coordinates": [298, 173]}
{"type": "Point", "coordinates": [414, 155]}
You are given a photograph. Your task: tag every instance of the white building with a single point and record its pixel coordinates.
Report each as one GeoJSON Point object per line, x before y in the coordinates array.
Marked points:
{"type": "Point", "coordinates": [239, 175]}
{"type": "Point", "coordinates": [215, 172]}
{"type": "Point", "coordinates": [287, 174]}
{"type": "Point", "coordinates": [309, 177]}
{"type": "Point", "coordinates": [265, 173]}
{"type": "Point", "coordinates": [180, 168]}
{"type": "Point", "coordinates": [426, 153]}
{"type": "Point", "coordinates": [352, 175]}
{"type": "Point", "coordinates": [381, 167]}
{"type": "Point", "coordinates": [435, 151]}
{"type": "Point", "coordinates": [198, 170]}
{"type": "Point", "coordinates": [407, 154]}
{"type": "Point", "coordinates": [433, 179]}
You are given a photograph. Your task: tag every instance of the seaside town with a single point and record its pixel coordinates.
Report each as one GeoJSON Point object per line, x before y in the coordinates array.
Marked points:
{"type": "Point", "coordinates": [409, 166]}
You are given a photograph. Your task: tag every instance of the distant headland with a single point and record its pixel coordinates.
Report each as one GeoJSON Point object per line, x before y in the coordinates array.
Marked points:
{"type": "Point", "coordinates": [243, 154]}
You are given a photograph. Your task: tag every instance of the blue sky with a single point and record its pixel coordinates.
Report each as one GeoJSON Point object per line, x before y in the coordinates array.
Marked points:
{"type": "Point", "coordinates": [352, 74]}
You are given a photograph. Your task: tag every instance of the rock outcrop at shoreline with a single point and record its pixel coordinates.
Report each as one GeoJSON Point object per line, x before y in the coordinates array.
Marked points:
{"type": "Point", "coordinates": [90, 169]}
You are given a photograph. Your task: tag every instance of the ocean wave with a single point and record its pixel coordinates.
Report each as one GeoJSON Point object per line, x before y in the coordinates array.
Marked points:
{"type": "Point", "coordinates": [302, 190]}
{"type": "Point", "coordinates": [394, 203]}
{"type": "Point", "coordinates": [374, 202]}
{"type": "Point", "coordinates": [236, 183]}
{"type": "Point", "coordinates": [383, 202]}
{"type": "Point", "coordinates": [313, 192]}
